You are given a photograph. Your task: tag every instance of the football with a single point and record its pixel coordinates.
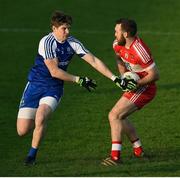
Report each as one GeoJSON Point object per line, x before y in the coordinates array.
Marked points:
{"type": "Point", "coordinates": [131, 75]}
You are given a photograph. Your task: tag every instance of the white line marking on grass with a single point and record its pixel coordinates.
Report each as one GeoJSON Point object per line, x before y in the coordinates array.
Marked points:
{"type": "Point", "coordinates": [21, 30]}
{"type": "Point", "coordinates": [34, 30]}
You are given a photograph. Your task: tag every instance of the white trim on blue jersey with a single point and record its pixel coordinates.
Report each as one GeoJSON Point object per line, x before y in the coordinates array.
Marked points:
{"type": "Point", "coordinates": [77, 46]}
{"type": "Point", "coordinates": [48, 45]}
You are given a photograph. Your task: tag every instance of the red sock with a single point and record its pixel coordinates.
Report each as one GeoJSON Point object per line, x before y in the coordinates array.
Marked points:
{"type": "Point", "coordinates": [116, 150]}
{"type": "Point", "coordinates": [137, 148]}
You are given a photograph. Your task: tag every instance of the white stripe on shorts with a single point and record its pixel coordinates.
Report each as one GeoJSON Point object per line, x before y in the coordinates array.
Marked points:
{"type": "Point", "coordinates": [137, 94]}
{"type": "Point", "coordinates": [50, 101]}
{"type": "Point", "coordinates": [27, 113]}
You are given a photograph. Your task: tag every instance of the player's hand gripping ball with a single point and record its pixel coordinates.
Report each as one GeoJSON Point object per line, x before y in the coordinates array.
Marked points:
{"type": "Point", "coordinates": [130, 81]}
{"type": "Point", "coordinates": [131, 75]}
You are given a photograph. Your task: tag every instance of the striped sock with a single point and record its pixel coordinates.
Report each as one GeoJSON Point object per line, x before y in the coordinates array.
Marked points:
{"type": "Point", "coordinates": [137, 148]}
{"type": "Point", "coordinates": [136, 143]}
{"type": "Point", "coordinates": [116, 150]}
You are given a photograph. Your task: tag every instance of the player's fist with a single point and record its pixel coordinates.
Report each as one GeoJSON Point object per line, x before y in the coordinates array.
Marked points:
{"type": "Point", "coordinates": [128, 85]}
{"type": "Point", "coordinates": [118, 81]}
{"type": "Point", "coordinates": [87, 83]}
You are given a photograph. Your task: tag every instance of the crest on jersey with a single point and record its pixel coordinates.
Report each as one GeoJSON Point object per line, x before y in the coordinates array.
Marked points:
{"type": "Point", "coordinates": [69, 50]}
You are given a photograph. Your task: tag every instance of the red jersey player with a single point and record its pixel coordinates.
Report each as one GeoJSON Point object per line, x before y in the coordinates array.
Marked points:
{"type": "Point", "coordinates": [132, 55]}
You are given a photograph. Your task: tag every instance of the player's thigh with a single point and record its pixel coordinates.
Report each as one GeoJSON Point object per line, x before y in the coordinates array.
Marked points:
{"type": "Point", "coordinates": [25, 120]}
{"type": "Point", "coordinates": [124, 107]}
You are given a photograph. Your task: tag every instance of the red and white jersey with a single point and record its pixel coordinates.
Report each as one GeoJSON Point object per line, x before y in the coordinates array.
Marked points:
{"type": "Point", "coordinates": [137, 58]}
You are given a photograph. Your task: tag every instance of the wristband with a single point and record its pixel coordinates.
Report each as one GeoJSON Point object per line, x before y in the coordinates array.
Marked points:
{"type": "Point", "coordinates": [113, 77]}
{"type": "Point", "coordinates": [77, 79]}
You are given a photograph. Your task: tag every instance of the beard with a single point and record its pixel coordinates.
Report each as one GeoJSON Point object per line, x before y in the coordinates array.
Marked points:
{"type": "Point", "coordinates": [122, 41]}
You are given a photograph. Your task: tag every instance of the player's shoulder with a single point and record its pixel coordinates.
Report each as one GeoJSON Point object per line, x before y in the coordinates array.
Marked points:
{"type": "Point", "coordinates": [76, 45]}
{"type": "Point", "coordinates": [72, 39]}
{"type": "Point", "coordinates": [47, 38]}
{"type": "Point", "coordinates": [74, 42]}
{"type": "Point", "coordinates": [47, 42]}
{"type": "Point", "coordinates": [141, 50]}
{"type": "Point", "coordinates": [139, 45]}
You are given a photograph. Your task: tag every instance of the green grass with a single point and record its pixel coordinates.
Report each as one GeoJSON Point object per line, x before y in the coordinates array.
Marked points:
{"type": "Point", "coordinates": [78, 134]}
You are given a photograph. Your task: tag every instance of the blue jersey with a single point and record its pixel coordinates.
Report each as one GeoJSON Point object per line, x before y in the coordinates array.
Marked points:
{"type": "Point", "coordinates": [50, 48]}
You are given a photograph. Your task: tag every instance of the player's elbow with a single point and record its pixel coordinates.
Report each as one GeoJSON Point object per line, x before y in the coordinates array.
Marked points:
{"type": "Point", "coordinates": [54, 73]}
{"type": "Point", "coordinates": [157, 75]}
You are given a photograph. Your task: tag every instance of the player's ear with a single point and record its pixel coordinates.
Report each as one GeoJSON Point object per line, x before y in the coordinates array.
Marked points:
{"type": "Point", "coordinates": [53, 28]}
{"type": "Point", "coordinates": [125, 34]}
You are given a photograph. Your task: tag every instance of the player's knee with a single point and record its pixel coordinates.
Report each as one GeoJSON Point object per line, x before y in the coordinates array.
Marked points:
{"type": "Point", "coordinates": [122, 115]}
{"type": "Point", "coordinates": [21, 131]}
{"type": "Point", "coordinates": [114, 116]}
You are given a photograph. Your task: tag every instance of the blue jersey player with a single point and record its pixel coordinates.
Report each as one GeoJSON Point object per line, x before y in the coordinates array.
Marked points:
{"type": "Point", "coordinates": [44, 89]}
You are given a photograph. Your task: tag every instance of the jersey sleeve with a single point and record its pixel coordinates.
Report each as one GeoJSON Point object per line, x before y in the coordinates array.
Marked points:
{"type": "Point", "coordinates": [146, 60]}
{"type": "Point", "coordinates": [47, 47]}
{"type": "Point", "coordinates": [78, 47]}
{"type": "Point", "coordinates": [144, 56]}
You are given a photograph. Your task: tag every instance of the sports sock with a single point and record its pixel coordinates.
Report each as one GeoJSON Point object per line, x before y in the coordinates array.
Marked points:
{"type": "Point", "coordinates": [116, 150]}
{"type": "Point", "coordinates": [137, 148]}
{"type": "Point", "coordinates": [33, 152]}
{"type": "Point", "coordinates": [136, 143]}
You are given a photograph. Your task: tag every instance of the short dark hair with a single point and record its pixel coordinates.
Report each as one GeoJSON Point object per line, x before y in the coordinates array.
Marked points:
{"type": "Point", "coordinates": [58, 18]}
{"type": "Point", "coordinates": [128, 26]}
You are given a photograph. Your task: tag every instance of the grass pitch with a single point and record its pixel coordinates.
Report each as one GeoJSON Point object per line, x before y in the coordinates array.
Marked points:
{"type": "Point", "coordinates": [78, 135]}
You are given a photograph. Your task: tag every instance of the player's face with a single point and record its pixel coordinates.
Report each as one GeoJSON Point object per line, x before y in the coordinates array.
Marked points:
{"type": "Point", "coordinates": [61, 32]}
{"type": "Point", "coordinates": [119, 35]}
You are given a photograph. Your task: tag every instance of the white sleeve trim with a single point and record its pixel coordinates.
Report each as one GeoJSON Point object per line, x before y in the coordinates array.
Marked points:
{"type": "Point", "coordinates": [77, 46]}
{"type": "Point", "coordinates": [149, 67]}
{"type": "Point", "coordinates": [47, 48]}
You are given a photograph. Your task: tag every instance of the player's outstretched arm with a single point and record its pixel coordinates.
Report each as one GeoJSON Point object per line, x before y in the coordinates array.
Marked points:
{"type": "Point", "coordinates": [55, 71]}
{"type": "Point", "coordinates": [101, 67]}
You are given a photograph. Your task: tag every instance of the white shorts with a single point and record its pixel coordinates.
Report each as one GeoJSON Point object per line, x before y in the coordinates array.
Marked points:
{"type": "Point", "coordinates": [29, 113]}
